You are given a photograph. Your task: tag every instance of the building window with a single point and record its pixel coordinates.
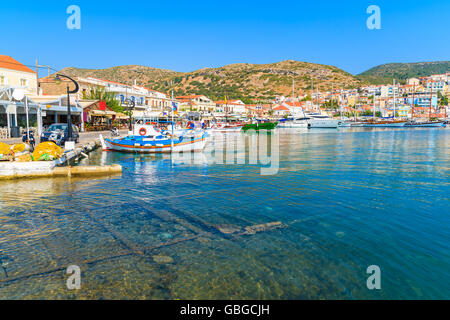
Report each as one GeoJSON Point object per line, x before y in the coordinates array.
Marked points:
{"type": "Point", "coordinates": [23, 82]}
{"type": "Point", "coordinates": [2, 80]}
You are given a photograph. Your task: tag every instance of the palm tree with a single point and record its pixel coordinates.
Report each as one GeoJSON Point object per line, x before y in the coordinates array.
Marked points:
{"type": "Point", "coordinates": [100, 93]}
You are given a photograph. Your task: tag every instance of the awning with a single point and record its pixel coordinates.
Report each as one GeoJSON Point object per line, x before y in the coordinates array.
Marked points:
{"type": "Point", "coordinates": [121, 116]}
{"type": "Point", "coordinates": [102, 113]}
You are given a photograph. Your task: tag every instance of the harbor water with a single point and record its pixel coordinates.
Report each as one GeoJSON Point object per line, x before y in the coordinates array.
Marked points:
{"type": "Point", "coordinates": [346, 199]}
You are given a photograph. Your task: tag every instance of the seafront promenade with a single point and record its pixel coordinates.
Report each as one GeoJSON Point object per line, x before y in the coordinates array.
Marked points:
{"type": "Point", "coordinates": [85, 137]}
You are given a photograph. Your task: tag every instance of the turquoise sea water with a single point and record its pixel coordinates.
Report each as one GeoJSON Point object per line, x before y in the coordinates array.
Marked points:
{"type": "Point", "coordinates": [346, 199]}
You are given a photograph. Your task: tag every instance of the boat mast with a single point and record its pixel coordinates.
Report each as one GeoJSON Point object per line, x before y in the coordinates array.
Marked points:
{"type": "Point", "coordinates": [413, 102]}
{"type": "Point", "coordinates": [293, 96]}
{"type": "Point", "coordinates": [226, 108]}
{"type": "Point", "coordinates": [431, 100]}
{"type": "Point", "coordinates": [171, 138]}
{"type": "Point", "coordinates": [393, 88]}
{"type": "Point", "coordinates": [374, 104]}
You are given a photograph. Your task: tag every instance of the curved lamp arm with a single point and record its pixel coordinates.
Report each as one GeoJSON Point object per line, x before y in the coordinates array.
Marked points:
{"type": "Point", "coordinates": [77, 87]}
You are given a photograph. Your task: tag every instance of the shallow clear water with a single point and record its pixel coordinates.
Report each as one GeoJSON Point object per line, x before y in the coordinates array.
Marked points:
{"type": "Point", "coordinates": [347, 199]}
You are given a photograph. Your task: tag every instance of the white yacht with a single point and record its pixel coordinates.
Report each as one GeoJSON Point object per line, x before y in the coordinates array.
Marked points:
{"type": "Point", "coordinates": [296, 123]}
{"type": "Point", "coordinates": [316, 120]}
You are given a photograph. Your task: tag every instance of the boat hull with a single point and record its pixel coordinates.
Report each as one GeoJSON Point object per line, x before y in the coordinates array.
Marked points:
{"type": "Point", "coordinates": [190, 144]}
{"type": "Point", "coordinates": [323, 124]}
{"type": "Point", "coordinates": [260, 126]}
{"type": "Point", "coordinates": [292, 125]}
{"type": "Point", "coordinates": [385, 125]}
{"type": "Point", "coordinates": [427, 125]}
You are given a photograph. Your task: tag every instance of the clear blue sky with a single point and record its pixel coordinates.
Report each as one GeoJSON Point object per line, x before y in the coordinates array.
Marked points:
{"type": "Point", "coordinates": [188, 35]}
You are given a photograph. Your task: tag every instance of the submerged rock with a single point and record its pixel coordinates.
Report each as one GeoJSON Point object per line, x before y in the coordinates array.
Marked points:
{"type": "Point", "coordinates": [228, 228]}
{"type": "Point", "coordinates": [162, 259]}
{"type": "Point", "coordinates": [165, 235]}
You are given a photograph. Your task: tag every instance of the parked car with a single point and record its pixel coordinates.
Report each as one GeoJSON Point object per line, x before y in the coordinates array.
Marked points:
{"type": "Point", "coordinates": [58, 133]}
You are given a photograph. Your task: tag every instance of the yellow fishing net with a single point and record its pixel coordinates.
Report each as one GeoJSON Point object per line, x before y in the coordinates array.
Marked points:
{"type": "Point", "coordinates": [18, 148]}
{"type": "Point", "coordinates": [23, 158]}
{"type": "Point", "coordinates": [5, 149]}
{"type": "Point", "coordinates": [47, 151]}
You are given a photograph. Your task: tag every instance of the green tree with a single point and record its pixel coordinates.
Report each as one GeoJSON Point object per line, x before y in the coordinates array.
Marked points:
{"type": "Point", "coordinates": [443, 100]}
{"type": "Point", "coordinates": [99, 93]}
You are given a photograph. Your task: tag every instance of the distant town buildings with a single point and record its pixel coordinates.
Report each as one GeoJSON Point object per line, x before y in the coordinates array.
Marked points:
{"type": "Point", "coordinates": [47, 100]}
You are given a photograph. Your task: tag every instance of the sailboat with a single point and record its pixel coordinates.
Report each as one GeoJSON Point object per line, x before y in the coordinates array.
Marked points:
{"type": "Point", "coordinates": [429, 123]}
{"type": "Point", "coordinates": [388, 123]}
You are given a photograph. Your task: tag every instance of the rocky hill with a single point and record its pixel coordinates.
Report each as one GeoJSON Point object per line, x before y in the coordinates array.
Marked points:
{"type": "Point", "coordinates": [124, 74]}
{"type": "Point", "coordinates": [249, 82]}
{"type": "Point", "coordinates": [401, 71]}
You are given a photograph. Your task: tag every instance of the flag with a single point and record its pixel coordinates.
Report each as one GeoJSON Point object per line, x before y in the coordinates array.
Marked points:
{"type": "Point", "coordinates": [226, 100]}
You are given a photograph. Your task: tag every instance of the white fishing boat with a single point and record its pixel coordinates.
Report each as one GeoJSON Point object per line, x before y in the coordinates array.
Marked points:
{"type": "Point", "coordinates": [146, 139]}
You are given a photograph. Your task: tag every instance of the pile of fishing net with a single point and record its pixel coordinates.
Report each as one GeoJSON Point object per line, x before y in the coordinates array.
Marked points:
{"type": "Point", "coordinates": [47, 151]}
{"type": "Point", "coordinates": [17, 152]}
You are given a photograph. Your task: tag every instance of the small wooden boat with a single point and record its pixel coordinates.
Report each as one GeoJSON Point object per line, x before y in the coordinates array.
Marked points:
{"type": "Point", "coordinates": [145, 139]}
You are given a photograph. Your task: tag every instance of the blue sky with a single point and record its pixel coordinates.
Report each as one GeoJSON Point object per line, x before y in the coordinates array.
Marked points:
{"type": "Point", "coordinates": [188, 35]}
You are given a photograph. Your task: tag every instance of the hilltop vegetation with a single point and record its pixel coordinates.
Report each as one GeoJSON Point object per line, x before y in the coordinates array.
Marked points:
{"type": "Point", "coordinates": [401, 71]}
{"type": "Point", "coordinates": [259, 82]}
{"type": "Point", "coordinates": [124, 74]}
{"type": "Point", "coordinates": [248, 82]}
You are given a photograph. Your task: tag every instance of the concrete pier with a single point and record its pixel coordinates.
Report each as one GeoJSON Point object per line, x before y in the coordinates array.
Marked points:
{"type": "Point", "coordinates": [59, 167]}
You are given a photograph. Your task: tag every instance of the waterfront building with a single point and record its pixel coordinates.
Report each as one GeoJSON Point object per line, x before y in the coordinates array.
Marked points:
{"type": "Point", "coordinates": [16, 76]}
{"type": "Point", "coordinates": [438, 86]}
{"type": "Point", "coordinates": [413, 82]}
{"type": "Point", "coordinates": [87, 84]}
{"type": "Point", "coordinates": [232, 106]}
{"type": "Point", "coordinates": [281, 111]}
{"type": "Point", "coordinates": [196, 103]}
{"type": "Point", "coordinates": [389, 90]}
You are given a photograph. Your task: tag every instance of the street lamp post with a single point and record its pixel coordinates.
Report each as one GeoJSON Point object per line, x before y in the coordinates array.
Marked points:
{"type": "Point", "coordinates": [69, 113]}
{"type": "Point", "coordinates": [130, 106]}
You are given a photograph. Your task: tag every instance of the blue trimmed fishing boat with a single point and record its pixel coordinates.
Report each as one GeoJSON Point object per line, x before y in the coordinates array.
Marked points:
{"type": "Point", "coordinates": [145, 139]}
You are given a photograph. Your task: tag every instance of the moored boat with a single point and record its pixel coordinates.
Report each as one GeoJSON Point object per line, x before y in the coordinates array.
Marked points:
{"type": "Point", "coordinates": [322, 121]}
{"type": "Point", "coordinates": [385, 124]}
{"type": "Point", "coordinates": [429, 124]}
{"type": "Point", "coordinates": [260, 126]}
{"type": "Point", "coordinates": [292, 124]}
{"type": "Point", "coordinates": [226, 127]}
{"type": "Point", "coordinates": [145, 139]}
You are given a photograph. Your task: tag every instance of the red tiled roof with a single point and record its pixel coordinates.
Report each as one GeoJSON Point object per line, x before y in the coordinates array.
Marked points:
{"type": "Point", "coordinates": [281, 108]}
{"type": "Point", "coordinates": [6, 62]}
{"type": "Point", "coordinates": [189, 97]}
